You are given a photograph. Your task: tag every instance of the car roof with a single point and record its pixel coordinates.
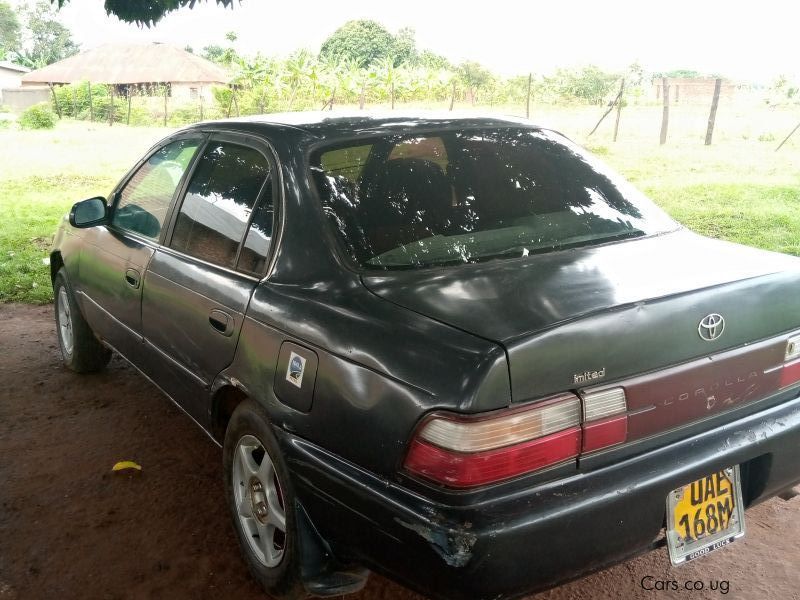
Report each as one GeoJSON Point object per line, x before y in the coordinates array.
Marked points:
{"type": "Point", "coordinates": [325, 125]}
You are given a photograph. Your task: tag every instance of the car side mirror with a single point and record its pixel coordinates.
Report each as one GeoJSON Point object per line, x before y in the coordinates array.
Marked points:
{"type": "Point", "coordinates": [88, 213]}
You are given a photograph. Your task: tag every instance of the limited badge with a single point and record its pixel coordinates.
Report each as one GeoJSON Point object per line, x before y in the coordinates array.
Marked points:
{"type": "Point", "coordinates": [294, 372]}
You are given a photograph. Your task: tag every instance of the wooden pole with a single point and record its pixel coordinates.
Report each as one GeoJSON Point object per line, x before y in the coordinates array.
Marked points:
{"type": "Point", "coordinates": [619, 107]}
{"type": "Point", "coordinates": [713, 114]}
{"type": "Point", "coordinates": [166, 93]}
{"type": "Point", "coordinates": [786, 139]}
{"type": "Point", "coordinates": [111, 106]}
{"type": "Point", "coordinates": [361, 96]}
{"type": "Point", "coordinates": [91, 102]}
{"type": "Point", "coordinates": [528, 97]}
{"type": "Point", "coordinates": [609, 109]}
{"type": "Point", "coordinates": [392, 92]}
{"type": "Point", "coordinates": [236, 103]}
{"type": "Point", "coordinates": [453, 97]}
{"type": "Point", "coordinates": [74, 102]}
{"type": "Point", "coordinates": [201, 103]}
{"type": "Point", "coordinates": [55, 100]}
{"type": "Point", "coordinates": [128, 120]}
{"type": "Point", "coordinates": [230, 104]}
{"type": "Point", "coordinates": [665, 112]}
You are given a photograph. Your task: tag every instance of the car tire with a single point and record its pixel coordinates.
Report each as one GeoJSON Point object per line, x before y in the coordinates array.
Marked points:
{"type": "Point", "coordinates": [261, 501]}
{"type": "Point", "coordinates": [82, 352]}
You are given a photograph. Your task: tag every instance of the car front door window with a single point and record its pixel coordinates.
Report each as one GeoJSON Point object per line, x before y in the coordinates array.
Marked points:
{"type": "Point", "coordinates": [145, 199]}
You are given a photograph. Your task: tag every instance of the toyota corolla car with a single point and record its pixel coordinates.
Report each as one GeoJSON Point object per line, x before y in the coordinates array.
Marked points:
{"type": "Point", "coordinates": [459, 352]}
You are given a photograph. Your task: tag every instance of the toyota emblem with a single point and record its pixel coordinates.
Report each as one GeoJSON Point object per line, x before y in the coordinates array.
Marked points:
{"type": "Point", "coordinates": [711, 327]}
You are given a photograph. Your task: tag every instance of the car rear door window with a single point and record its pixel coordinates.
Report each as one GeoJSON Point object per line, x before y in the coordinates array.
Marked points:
{"type": "Point", "coordinates": [253, 256]}
{"type": "Point", "coordinates": [145, 199]}
{"type": "Point", "coordinates": [219, 204]}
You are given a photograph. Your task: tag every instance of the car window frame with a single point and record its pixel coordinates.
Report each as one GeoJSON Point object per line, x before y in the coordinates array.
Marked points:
{"type": "Point", "coordinates": [116, 194]}
{"type": "Point", "coordinates": [263, 147]}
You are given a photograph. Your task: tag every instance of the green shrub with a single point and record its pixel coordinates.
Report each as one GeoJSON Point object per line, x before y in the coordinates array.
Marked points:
{"type": "Point", "coordinates": [38, 116]}
{"type": "Point", "coordinates": [183, 115]}
{"type": "Point", "coordinates": [766, 137]}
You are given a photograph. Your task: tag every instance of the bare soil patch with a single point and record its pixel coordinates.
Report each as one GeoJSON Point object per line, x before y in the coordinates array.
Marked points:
{"type": "Point", "coordinates": [70, 528]}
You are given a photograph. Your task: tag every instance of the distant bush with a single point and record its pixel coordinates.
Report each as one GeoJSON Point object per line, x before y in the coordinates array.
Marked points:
{"type": "Point", "coordinates": [766, 137]}
{"type": "Point", "coordinates": [4, 109]}
{"type": "Point", "coordinates": [38, 116]}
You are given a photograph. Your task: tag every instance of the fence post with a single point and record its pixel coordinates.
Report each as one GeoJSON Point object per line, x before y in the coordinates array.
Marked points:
{"type": "Point", "coordinates": [453, 97]}
{"type": "Point", "coordinates": [713, 114]}
{"type": "Point", "coordinates": [528, 97]}
{"type": "Point", "coordinates": [111, 105]}
{"type": "Point", "coordinates": [619, 107]}
{"type": "Point", "coordinates": [201, 103]}
{"type": "Point", "coordinates": [665, 113]}
{"type": "Point", "coordinates": [786, 139]}
{"type": "Point", "coordinates": [91, 102]}
{"type": "Point", "coordinates": [128, 121]}
{"type": "Point", "coordinates": [166, 93]}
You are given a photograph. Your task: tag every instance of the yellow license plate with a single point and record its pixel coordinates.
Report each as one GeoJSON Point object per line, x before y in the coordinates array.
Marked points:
{"type": "Point", "coordinates": [704, 515]}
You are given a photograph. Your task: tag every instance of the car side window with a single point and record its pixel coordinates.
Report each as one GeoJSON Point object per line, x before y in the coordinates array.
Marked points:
{"type": "Point", "coordinates": [253, 257]}
{"type": "Point", "coordinates": [145, 199]}
{"type": "Point", "coordinates": [219, 201]}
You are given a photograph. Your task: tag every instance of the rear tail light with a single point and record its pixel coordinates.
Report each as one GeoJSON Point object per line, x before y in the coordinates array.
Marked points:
{"type": "Point", "coordinates": [790, 374]}
{"type": "Point", "coordinates": [790, 370]}
{"type": "Point", "coordinates": [605, 419]}
{"type": "Point", "coordinates": [464, 452]}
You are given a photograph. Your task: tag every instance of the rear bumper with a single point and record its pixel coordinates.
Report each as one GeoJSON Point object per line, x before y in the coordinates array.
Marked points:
{"type": "Point", "coordinates": [512, 543]}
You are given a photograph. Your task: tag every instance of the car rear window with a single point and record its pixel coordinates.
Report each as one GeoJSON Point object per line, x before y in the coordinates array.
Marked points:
{"type": "Point", "coordinates": [466, 196]}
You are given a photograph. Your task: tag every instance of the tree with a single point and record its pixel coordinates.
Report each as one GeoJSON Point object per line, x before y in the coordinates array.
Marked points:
{"type": "Point", "coordinates": [404, 47]}
{"type": "Point", "coordinates": [219, 54]}
{"type": "Point", "coordinates": [9, 31]}
{"type": "Point", "coordinates": [46, 40]}
{"type": "Point", "coordinates": [145, 12]}
{"type": "Point", "coordinates": [474, 77]}
{"type": "Point", "coordinates": [363, 41]}
{"type": "Point", "coordinates": [431, 60]}
{"type": "Point", "coordinates": [590, 83]}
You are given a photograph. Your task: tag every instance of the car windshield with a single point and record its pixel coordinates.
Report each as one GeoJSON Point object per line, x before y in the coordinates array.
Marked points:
{"type": "Point", "coordinates": [466, 196]}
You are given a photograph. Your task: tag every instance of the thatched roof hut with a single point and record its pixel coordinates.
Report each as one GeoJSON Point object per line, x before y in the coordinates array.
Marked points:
{"type": "Point", "coordinates": [134, 64]}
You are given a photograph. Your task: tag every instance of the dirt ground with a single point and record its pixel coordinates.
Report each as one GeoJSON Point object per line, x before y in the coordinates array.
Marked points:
{"type": "Point", "coordinates": [69, 528]}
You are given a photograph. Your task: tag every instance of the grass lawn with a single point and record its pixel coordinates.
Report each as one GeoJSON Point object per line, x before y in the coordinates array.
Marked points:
{"type": "Point", "coordinates": [737, 189]}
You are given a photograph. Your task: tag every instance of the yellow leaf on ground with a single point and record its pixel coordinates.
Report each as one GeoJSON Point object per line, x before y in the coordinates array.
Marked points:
{"type": "Point", "coordinates": [126, 464]}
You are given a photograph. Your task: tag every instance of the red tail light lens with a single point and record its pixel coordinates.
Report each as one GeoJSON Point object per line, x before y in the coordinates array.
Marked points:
{"type": "Point", "coordinates": [465, 452]}
{"type": "Point", "coordinates": [790, 374]}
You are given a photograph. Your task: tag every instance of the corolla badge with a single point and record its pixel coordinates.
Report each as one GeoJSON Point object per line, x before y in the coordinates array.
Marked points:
{"type": "Point", "coordinates": [294, 372]}
{"type": "Point", "coordinates": [711, 327]}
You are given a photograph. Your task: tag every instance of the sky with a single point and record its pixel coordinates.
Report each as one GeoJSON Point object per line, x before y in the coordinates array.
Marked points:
{"type": "Point", "coordinates": [749, 41]}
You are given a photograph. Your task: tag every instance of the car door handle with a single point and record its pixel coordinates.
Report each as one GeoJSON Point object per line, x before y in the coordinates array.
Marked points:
{"type": "Point", "coordinates": [133, 278]}
{"type": "Point", "coordinates": [221, 322]}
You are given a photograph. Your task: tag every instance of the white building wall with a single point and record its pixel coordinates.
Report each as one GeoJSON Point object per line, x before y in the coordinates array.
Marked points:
{"type": "Point", "coordinates": [191, 92]}
{"type": "Point", "coordinates": [10, 78]}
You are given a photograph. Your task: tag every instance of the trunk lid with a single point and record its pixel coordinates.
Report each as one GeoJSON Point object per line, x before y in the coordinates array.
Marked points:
{"type": "Point", "coordinates": [591, 316]}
